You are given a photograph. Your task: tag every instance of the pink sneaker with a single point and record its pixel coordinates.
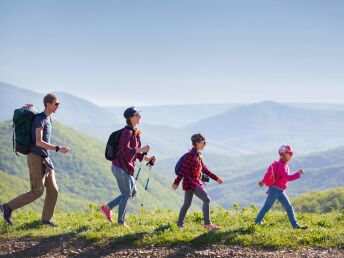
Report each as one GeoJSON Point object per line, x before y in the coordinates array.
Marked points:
{"type": "Point", "coordinates": [212, 227]}
{"type": "Point", "coordinates": [106, 212]}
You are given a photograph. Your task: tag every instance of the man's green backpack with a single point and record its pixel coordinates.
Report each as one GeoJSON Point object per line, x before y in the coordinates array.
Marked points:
{"type": "Point", "coordinates": [22, 124]}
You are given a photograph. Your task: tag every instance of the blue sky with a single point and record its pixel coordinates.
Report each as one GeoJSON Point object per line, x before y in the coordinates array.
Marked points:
{"type": "Point", "coordinates": [175, 52]}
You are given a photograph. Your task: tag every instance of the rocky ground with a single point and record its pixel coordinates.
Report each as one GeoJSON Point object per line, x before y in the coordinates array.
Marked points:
{"type": "Point", "coordinates": [64, 246]}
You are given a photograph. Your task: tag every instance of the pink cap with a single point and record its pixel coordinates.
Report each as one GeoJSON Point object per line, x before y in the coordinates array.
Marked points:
{"type": "Point", "coordinates": [285, 148]}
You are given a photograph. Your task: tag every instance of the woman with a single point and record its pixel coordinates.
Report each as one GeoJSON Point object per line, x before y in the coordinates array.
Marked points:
{"type": "Point", "coordinates": [124, 165]}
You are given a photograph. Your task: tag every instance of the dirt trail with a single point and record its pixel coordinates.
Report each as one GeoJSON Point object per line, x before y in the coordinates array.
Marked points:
{"type": "Point", "coordinates": [64, 246]}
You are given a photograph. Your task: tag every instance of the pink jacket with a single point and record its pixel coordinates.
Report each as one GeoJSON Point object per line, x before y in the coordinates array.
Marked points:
{"type": "Point", "coordinates": [282, 176]}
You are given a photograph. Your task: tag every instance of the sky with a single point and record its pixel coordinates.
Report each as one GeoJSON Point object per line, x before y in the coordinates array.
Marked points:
{"type": "Point", "coordinates": [142, 52]}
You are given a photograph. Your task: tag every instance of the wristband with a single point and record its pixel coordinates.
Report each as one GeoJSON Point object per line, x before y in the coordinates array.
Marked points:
{"type": "Point", "coordinates": [57, 148]}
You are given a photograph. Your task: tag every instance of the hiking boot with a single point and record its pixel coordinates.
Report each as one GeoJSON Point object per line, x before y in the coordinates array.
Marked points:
{"type": "Point", "coordinates": [123, 224]}
{"type": "Point", "coordinates": [6, 213]}
{"type": "Point", "coordinates": [106, 212]}
{"type": "Point", "coordinates": [49, 223]}
{"type": "Point", "coordinates": [212, 227]}
{"type": "Point", "coordinates": [301, 227]}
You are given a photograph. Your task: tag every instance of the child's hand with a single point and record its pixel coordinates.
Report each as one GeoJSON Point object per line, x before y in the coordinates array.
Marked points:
{"type": "Point", "coordinates": [301, 172]}
{"type": "Point", "coordinates": [220, 180]}
{"type": "Point", "coordinates": [260, 183]}
{"type": "Point", "coordinates": [174, 186]}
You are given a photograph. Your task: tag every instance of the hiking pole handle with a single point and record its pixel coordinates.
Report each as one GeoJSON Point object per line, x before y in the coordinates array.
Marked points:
{"type": "Point", "coordinates": [145, 153]}
{"type": "Point", "coordinates": [150, 163]}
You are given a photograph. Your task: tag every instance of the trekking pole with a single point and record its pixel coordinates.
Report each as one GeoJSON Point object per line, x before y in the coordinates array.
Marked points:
{"type": "Point", "coordinates": [138, 172]}
{"type": "Point", "coordinates": [136, 178]}
{"type": "Point", "coordinates": [150, 164]}
{"type": "Point", "coordinates": [147, 184]}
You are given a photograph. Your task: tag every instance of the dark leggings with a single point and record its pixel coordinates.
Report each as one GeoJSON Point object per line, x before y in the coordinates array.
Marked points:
{"type": "Point", "coordinates": [200, 193]}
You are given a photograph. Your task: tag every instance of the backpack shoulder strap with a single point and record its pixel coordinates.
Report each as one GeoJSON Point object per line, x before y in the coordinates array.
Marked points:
{"type": "Point", "coordinates": [195, 159]}
{"type": "Point", "coordinates": [121, 150]}
{"type": "Point", "coordinates": [193, 163]}
{"type": "Point", "coordinates": [13, 140]}
{"type": "Point", "coordinates": [274, 171]}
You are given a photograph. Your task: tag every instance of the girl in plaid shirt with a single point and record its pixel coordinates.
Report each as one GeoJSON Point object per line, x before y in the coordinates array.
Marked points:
{"type": "Point", "coordinates": [190, 172]}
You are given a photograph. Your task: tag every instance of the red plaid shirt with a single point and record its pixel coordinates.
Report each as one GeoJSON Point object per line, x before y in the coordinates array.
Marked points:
{"type": "Point", "coordinates": [127, 145]}
{"type": "Point", "coordinates": [191, 169]}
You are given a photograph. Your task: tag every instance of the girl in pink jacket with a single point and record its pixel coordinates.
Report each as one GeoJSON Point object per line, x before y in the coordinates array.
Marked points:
{"type": "Point", "coordinates": [277, 177]}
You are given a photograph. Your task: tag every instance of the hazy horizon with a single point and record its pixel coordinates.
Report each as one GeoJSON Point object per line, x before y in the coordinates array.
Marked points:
{"type": "Point", "coordinates": [179, 104]}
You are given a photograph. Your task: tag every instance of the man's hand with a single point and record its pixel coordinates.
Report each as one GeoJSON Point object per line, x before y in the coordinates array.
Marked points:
{"type": "Point", "coordinates": [64, 149]}
{"type": "Point", "coordinates": [301, 172]}
{"type": "Point", "coordinates": [174, 186]}
{"type": "Point", "coordinates": [220, 180]}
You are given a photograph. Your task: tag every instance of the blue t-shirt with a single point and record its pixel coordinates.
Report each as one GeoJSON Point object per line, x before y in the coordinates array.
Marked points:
{"type": "Point", "coordinates": [41, 121]}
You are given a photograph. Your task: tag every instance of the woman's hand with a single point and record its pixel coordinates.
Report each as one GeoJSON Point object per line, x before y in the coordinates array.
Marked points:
{"type": "Point", "coordinates": [220, 180]}
{"type": "Point", "coordinates": [174, 186]}
{"type": "Point", "coordinates": [152, 160]}
{"type": "Point", "coordinates": [260, 183]}
{"type": "Point", "coordinates": [143, 149]}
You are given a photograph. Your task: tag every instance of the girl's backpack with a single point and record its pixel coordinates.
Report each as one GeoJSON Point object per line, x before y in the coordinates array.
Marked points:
{"type": "Point", "coordinates": [180, 163]}
{"type": "Point", "coordinates": [270, 176]}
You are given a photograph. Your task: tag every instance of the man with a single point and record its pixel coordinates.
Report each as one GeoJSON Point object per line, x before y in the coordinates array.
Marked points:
{"type": "Point", "coordinates": [41, 168]}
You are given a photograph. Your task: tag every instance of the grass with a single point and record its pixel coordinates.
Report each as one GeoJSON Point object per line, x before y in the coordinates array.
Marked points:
{"type": "Point", "coordinates": [159, 228]}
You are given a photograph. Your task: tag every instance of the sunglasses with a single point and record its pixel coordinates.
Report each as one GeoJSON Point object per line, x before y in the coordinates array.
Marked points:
{"type": "Point", "coordinates": [57, 104]}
